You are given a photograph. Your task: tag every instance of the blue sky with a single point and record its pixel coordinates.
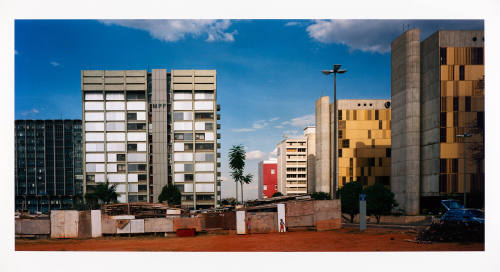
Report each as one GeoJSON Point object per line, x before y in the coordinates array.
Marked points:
{"type": "Point", "coordinates": [268, 70]}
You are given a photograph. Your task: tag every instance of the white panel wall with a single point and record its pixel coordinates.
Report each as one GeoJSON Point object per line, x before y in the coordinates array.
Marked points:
{"type": "Point", "coordinates": [200, 96]}
{"type": "Point", "coordinates": [115, 116]}
{"type": "Point", "coordinates": [115, 96]}
{"type": "Point", "coordinates": [183, 125]}
{"type": "Point", "coordinates": [133, 178]}
{"type": "Point", "coordinates": [94, 106]}
{"type": "Point", "coordinates": [205, 188]}
{"type": "Point", "coordinates": [141, 147]}
{"type": "Point", "coordinates": [111, 168]}
{"type": "Point", "coordinates": [136, 136]}
{"type": "Point", "coordinates": [204, 167]}
{"type": "Point", "coordinates": [93, 147]}
{"type": "Point", "coordinates": [204, 177]}
{"type": "Point", "coordinates": [203, 105]}
{"type": "Point", "coordinates": [136, 105]}
{"type": "Point", "coordinates": [115, 146]}
{"type": "Point", "coordinates": [94, 126]}
{"type": "Point", "coordinates": [133, 188]}
{"type": "Point", "coordinates": [94, 116]}
{"type": "Point", "coordinates": [199, 126]}
{"type": "Point", "coordinates": [94, 137]}
{"type": "Point", "coordinates": [115, 126]}
{"type": "Point", "coordinates": [93, 96]}
{"type": "Point", "coordinates": [121, 188]}
{"type": "Point", "coordinates": [188, 105]}
{"type": "Point", "coordinates": [122, 198]}
{"type": "Point", "coordinates": [178, 146]}
{"type": "Point", "coordinates": [111, 157]}
{"type": "Point", "coordinates": [94, 157]}
{"type": "Point", "coordinates": [115, 137]}
{"type": "Point", "coordinates": [183, 156]}
{"type": "Point", "coordinates": [91, 167]}
{"type": "Point", "coordinates": [100, 178]}
{"type": "Point", "coordinates": [179, 167]}
{"type": "Point", "coordinates": [209, 136]}
{"type": "Point", "coordinates": [136, 157]}
{"type": "Point", "coordinates": [183, 96]}
{"type": "Point", "coordinates": [116, 177]}
{"type": "Point", "coordinates": [115, 105]}
{"type": "Point", "coordinates": [188, 188]}
{"type": "Point", "coordinates": [179, 178]}
{"type": "Point", "coordinates": [141, 115]}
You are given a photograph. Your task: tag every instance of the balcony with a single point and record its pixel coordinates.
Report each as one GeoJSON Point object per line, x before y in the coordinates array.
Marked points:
{"type": "Point", "coordinates": [218, 107]}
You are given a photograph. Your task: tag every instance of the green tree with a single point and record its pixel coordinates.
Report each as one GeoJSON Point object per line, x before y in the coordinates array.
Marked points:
{"type": "Point", "coordinates": [171, 194]}
{"type": "Point", "coordinates": [349, 198]}
{"type": "Point", "coordinates": [237, 164]}
{"type": "Point", "coordinates": [228, 201]}
{"type": "Point", "coordinates": [320, 196]}
{"type": "Point", "coordinates": [277, 194]}
{"type": "Point", "coordinates": [104, 193]}
{"type": "Point", "coordinates": [379, 200]}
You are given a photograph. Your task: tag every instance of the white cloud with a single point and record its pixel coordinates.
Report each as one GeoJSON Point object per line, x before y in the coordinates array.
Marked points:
{"type": "Point", "coordinates": [256, 155]}
{"type": "Point", "coordinates": [292, 133]}
{"type": "Point", "coordinates": [274, 119]}
{"type": "Point", "coordinates": [174, 30]}
{"type": "Point", "coordinates": [255, 126]}
{"type": "Point", "coordinates": [30, 112]}
{"type": "Point", "coordinates": [54, 63]}
{"type": "Point", "coordinates": [273, 154]}
{"type": "Point", "coordinates": [303, 121]}
{"type": "Point", "coordinates": [243, 129]}
{"type": "Point", "coordinates": [279, 126]}
{"type": "Point", "coordinates": [286, 123]}
{"type": "Point", "coordinates": [377, 35]}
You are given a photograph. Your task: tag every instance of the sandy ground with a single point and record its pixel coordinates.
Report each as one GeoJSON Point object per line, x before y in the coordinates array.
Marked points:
{"type": "Point", "coordinates": [346, 239]}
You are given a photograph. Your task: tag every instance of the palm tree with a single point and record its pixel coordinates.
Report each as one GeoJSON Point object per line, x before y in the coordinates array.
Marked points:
{"type": "Point", "coordinates": [237, 164]}
{"type": "Point", "coordinates": [103, 193]}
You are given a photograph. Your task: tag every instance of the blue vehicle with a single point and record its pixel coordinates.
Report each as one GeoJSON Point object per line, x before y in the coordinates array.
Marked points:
{"type": "Point", "coordinates": [451, 204]}
{"type": "Point", "coordinates": [463, 216]}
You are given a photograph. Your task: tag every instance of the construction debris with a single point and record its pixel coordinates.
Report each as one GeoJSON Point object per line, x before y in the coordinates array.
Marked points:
{"type": "Point", "coordinates": [140, 209]}
{"type": "Point", "coordinates": [452, 232]}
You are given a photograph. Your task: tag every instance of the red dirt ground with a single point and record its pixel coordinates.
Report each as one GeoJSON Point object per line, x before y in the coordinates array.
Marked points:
{"type": "Point", "coordinates": [345, 239]}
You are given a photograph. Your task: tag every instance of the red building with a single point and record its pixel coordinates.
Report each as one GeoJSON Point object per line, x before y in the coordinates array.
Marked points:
{"type": "Point", "coordinates": [268, 178]}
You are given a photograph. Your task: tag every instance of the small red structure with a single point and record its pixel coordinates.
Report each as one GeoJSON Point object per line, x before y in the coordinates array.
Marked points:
{"type": "Point", "coordinates": [185, 232]}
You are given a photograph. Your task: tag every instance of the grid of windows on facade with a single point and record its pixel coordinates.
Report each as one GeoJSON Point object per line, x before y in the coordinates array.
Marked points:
{"type": "Point", "coordinates": [194, 111]}
{"type": "Point", "coordinates": [296, 165]}
{"type": "Point", "coordinates": [462, 112]}
{"type": "Point", "coordinates": [364, 145]}
{"type": "Point", "coordinates": [48, 164]}
{"type": "Point", "coordinates": [116, 128]}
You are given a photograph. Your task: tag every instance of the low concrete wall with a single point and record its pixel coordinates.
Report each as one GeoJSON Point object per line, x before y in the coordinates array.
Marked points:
{"type": "Point", "coordinates": [327, 214]}
{"type": "Point", "coordinates": [137, 226]}
{"type": "Point", "coordinates": [262, 222]}
{"type": "Point", "coordinates": [159, 225]}
{"type": "Point", "coordinates": [70, 224]}
{"type": "Point", "coordinates": [108, 225]}
{"type": "Point", "coordinates": [32, 226]}
{"type": "Point", "coordinates": [299, 214]}
{"type": "Point", "coordinates": [197, 223]}
{"type": "Point", "coordinates": [96, 223]}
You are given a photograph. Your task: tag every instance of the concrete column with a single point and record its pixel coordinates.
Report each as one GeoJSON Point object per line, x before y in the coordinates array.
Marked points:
{"type": "Point", "coordinates": [322, 165]}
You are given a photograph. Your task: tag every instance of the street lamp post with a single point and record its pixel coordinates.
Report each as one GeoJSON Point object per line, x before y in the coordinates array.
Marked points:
{"type": "Point", "coordinates": [465, 135]}
{"type": "Point", "coordinates": [336, 70]}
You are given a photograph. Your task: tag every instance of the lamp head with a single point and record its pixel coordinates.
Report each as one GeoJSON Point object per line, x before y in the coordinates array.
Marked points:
{"type": "Point", "coordinates": [327, 72]}
{"type": "Point", "coordinates": [336, 67]}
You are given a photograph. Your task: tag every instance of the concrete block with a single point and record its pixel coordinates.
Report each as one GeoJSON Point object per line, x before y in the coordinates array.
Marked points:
{"type": "Point", "coordinates": [281, 214]}
{"type": "Point", "coordinates": [108, 225]}
{"type": "Point", "coordinates": [137, 226]}
{"type": "Point", "coordinates": [173, 212]}
{"type": "Point", "coordinates": [240, 222]}
{"type": "Point", "coordinates": [125, 228]}
{"type": "Point", "coordinates": [84, 225]}
{"type": "Point", "coordinates": [262, 222]}
{"type": "Point", "coordinates": [299, 208]}
{"type": "Point", "coordinates": [300, 221]}
{"type": "Point", "coordinates": [33, 226]}
{"type": "Point", "coordinates": [18, 226]}
{"type": "Point", "coordinates": [189, 223]}
{"type": "Point", "coordinates": [96, 223]}
{"type": "Point", "coordinates": [123, 217]}
{"type": "Point", "coordinates": [158, 225]}
{"type": "Point", "coordinates": [70, 224]}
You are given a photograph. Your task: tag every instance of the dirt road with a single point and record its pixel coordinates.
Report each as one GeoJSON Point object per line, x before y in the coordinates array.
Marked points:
{"type": "Point", "coordinates": [346, 239]}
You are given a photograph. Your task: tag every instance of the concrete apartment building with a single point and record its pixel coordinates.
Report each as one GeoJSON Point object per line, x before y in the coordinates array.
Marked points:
{"type": "Point", "coordinates": [437, 89]}
{"type": "Point", "coordinates": [364, 142]}
{"type": "Point", "coordinates": [144, 130]}
{"type": "Point", "coordinates": [48, 164]}
{"type": "Point", "coordinates": [292, 165]}
{"type": "Point", "coordinates": [267, 172]}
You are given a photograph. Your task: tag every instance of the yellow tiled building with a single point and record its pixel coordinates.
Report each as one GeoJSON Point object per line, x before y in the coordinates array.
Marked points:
{"type": "Point", "coordinates": [364, 141]}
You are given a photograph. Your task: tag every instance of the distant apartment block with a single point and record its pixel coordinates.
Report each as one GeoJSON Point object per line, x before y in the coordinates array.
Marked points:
{"type": "Point", "coordinates": [268, 178]}
{"type": "Point", "coordinates": [144, 130]}
{"type": "Point", "coordinates": [438, 96]}
{"type": "Point", "coordinates": [48, 164]}
{"type": "Point", "coordinates": [364, 142]}
{"type": "Point", "coordinates": [292, 166]}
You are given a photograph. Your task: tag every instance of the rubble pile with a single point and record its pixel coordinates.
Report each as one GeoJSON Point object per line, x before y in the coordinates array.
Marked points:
{"type": "Point", "coordinates": [452, 232]}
